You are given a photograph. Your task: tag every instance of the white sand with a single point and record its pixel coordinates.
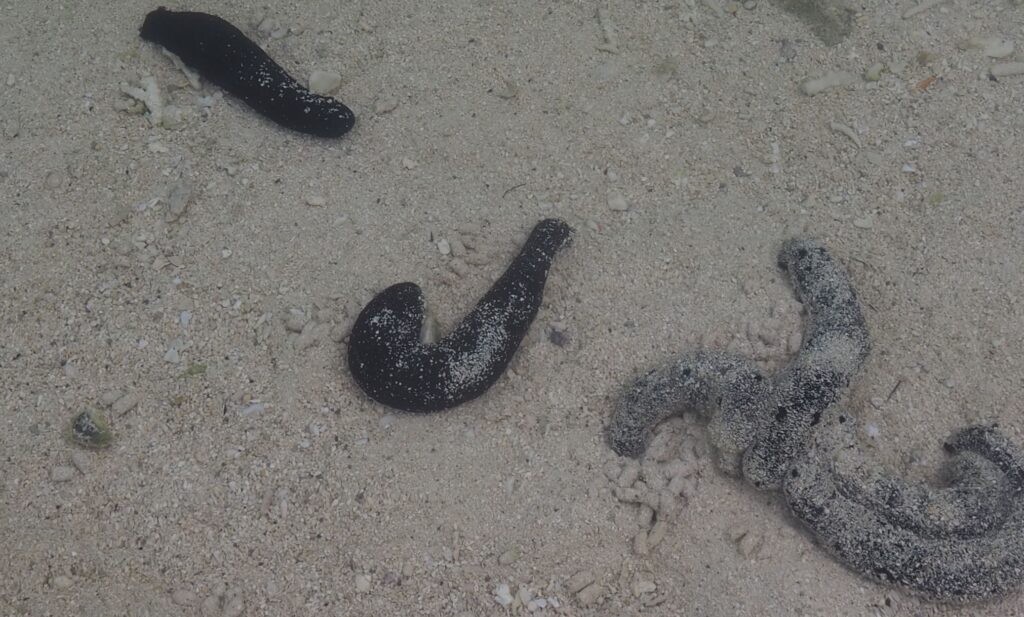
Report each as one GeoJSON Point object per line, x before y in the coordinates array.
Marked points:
{"type": "Point", "coordinates": [277, 511]}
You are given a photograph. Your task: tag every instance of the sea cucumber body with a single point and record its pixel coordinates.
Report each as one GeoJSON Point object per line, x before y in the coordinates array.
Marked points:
{"type": "Point", "coordinates": [960, 543]}
{"type": "Point", "coordinates": [222, 54]}
{"type": "Point", "coordinates": [393, 367]}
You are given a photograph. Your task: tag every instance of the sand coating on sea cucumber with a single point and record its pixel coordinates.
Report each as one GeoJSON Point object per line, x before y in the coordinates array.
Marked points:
{"type": "Point", "coordinates": [392, 365]}
{"type": "Point", "coordinates": [221, 53]}
{"type": "Point", "coordinates": [960, 541]}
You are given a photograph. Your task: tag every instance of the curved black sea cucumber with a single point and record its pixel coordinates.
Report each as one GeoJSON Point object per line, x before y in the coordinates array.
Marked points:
{"type": "Point", "coordinates": [393, 367]}
{"type": "Point", "coordinates": [230, 60]}
{"type": "Point", "coordinates": [764, 421]}
{"type": "Point", "coordinates": [961, 542]}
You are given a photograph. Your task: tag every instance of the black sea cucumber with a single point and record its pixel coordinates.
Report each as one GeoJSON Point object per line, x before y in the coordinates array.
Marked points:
{"type": "Point", "coordinates": [392, 365]}
{"type": "Point", "coordinates": [230, 60]}
{"type": "Point", "coordinates": [765, 421]}
{"type": "Point", "coordinates": [961, 542]}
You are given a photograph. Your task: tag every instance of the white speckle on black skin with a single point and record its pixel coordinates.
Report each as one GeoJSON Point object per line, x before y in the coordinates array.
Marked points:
{"type": "Point", "coordinates": [961, 542]}
{"type": "Point", "coordinates": [392, 365]}
{"type": "Point", "coordinates": [222, 54]}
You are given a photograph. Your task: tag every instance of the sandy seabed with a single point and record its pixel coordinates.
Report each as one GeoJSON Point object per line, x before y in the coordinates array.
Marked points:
{"type": "Point", "coordinates": [250, 476]}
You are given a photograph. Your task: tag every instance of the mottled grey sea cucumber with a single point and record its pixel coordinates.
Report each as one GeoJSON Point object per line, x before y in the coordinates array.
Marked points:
{"type": "Point", "coordinates": [764, 421]}
{"type": "Point", "coordinates": [221, 53]}
{"type": "Point", "coordinates": [960, 543]}
{"type": "Point", "coordinates": [392, 365]}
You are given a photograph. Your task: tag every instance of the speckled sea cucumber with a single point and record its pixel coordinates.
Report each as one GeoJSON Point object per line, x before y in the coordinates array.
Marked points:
{"type": "Point", "coordinates": [764, 421]}
{"type": "Point", "coordinates": [392, 365]}
{"type": "Point", "coordinates": [230, 60]}
{"type": "Point", "coordinates": [960, 543]}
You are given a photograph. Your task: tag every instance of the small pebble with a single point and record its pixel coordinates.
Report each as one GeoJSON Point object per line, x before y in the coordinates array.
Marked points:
{"type": "Point", "coordinates": [657, 534]}
{"type": "Point", "coordinates": [640, 543]}
{"type": "Point", "coordinates": [874, 72]}
{"type": "Point", "coordinates": [834, 79]}
{"type": "Point", "coordinates": [579, 580]}
{"type": "Point", "coordinates": [324, 82]}
{"type": "Point", "coordinates": [125, 404]}
{"type": "Point", "coordinates": [385, 104]}
{"type": "Point", "coordinates": [210, 606]}
{"type": "Point", "coordinates": [749, 544]}
{"type": "Point", "coordinates": [296, 321]}
{"type": "Point", "coordinates": [641, 587]}
{"type": "Point", "coordinates": [629, 475]}
{"type": "Point", "coordinates": [183, 597]}
{"type": "Point", "coordinates": [362, 583]}
{"type": "Point", "coordinates": [617, 202]}
{"type": "Point", "coordinates": [590, 594]}
{"type": "Point", "coordinates": [509, 556]}
{"type": "Point", "coordinates": [61, 582]}
{"type": "Point", "coordinates": [1007, 69]}
{"type": "Point", "coordinates": [991, 46]}
{"type": "Point", "coordinates": [80, 460]}
{"type": "Point", "coordinates": [502, 595]}
{"type": "Point", "coordinates": [317, 201]}
{"type": "Point", "coordinates": [62, 473]}
{"type": "Point", "coordinates": [443, 247]}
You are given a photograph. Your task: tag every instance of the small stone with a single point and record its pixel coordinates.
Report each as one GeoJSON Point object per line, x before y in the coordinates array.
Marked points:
{"type": "Point", "coordinates": [177, 198]}
{"type": "Point", "coordinates": [835, 79]}
{"type": "Point", "coordinates": [1007, 69]}
{"type": "Point", "coordinates": [640, 543]}
{"type": "Point", "coordinates": [363, 583]}
{"type": "Point", "coordinates": [408, 163]}
{"type": "Point", "coordinates": [210, 606]}
{"type": "Point", "coordinates": [384, 105]}
{"type": "Point", "coordinates": [507, 90]}
{"type": "Point", "coordinates": [317, 201]}
{"type": "Point", "coordinates": [234, 606]}
{"type": "Point", "coordinates": [641, 587]}
{"type": "Point", "coordinates": [444, 247]}
{"type": "Point", "coordinates": [617, 202]}
{"type": "Point", "coordinates": [172, 355]}
{"type": "Point", "coordinates": [62, 473]}
{"type": "Point", "coordinates": [750, 544]}
{"type": "Point", "coordinates": [387, 421]}
{"type": "Point", "coordinates": [863, 222]}
{"type": "Point", "coordinates": [109, 397]}
{"type": "Point", "coordinates": [61, 582]}
{"type": "Point", "coordinates": [627, 495]}
{"type": "Point", "coordinates": [644, 516]}
{"type": "Point", "coordinates": [125, 404]}
{"type": "Point", "coordinates": [579, 580]}
{"type": "Point", "coordinates": [630, 474]}
{"type": "Point", "coordinates": [81, 461]}
{"type": "Point", "coordinates": [90, 429]}
{"type": "Point", "coordinates": [296, 321]}
{"type": "Point", "coordinates": [502, 595]}
{"type": "Point", "coordinates": [324, 82]}
{"type": "Point", "coordinates": [183, 597]}
{"type": "Point", "coordinates": [874, 72]}
{"type": "Point", "coordinates": [590, 594]}
{"type": "Point", "coordinates": [657, 534]}
{"type": "Point", "coordinates": [509, 556]}
{"type": "Point", "coordinates": [524, 595]}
